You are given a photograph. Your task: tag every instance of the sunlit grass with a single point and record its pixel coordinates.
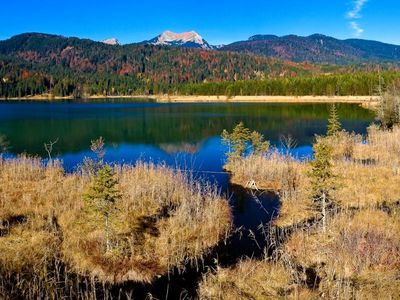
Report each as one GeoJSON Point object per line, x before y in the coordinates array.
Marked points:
{"type": "Point", "coordinates": [164, 220]}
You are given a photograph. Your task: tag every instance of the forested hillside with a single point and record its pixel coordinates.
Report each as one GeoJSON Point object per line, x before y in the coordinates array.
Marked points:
{"type": "Point", "coordinates": [40, 63]}
{"type": "Point", "coordinates": [318, 48]}
{"type": "Point", "coordinates": [36, 64]}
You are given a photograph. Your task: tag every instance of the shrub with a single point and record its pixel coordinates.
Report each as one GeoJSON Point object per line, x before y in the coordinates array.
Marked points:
{"type": "Point", "coordinates": [240, 138]}
{"type": "Point", "coordinates": [388, 112]}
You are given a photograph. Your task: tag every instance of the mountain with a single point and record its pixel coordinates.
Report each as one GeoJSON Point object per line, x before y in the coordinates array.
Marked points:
{"type": "Point", "coordinates": [189, 39]}
{"type": "Point", "coordinates": [263, 37]}
{"type": "Point", "coordinates": [36, 63]}
{"type": "Point", "coordinates": [317, 48]}
{"type": "Point", "coordinates": [111, 41]}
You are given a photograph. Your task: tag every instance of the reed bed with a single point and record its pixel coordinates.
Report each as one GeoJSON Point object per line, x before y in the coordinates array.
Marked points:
{"type": "Point", "coordinates": [357, 258]}
{"type": "Point", "coordinates": [381, 147]}
{"type": "Point", "coordinates": [357, 255]}
{"type": "Point", "coordinates": [51, 245]}
{"type": "Point", "coordinates": [282, 174]}
{"type": "Point", "coordinates": [366, 185]}
{"type": "Point", "coordinates": [251, 279]}
{"type": "Point", "coordinates": [272, 171]}
{"type": "Point", "coordinates": [163, 221]}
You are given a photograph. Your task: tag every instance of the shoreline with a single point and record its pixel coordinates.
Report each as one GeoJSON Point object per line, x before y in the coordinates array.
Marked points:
{"type": "Point", "coordinates": [367, 101]}
{"type": "Point", "coordinates": [271, 99]}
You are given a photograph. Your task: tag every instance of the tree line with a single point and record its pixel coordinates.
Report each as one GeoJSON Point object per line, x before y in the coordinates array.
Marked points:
{"type": "Point", "coordinates": [352, 84]}
{"type": "Point", "coordinates": [82, 85]}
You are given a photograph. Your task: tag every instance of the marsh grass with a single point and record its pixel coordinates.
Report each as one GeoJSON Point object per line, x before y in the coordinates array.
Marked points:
{"type": "Point", "coordinates": [364, 186]}
{"type": "Point", "coordinates": [163, 221]}
{"type": "Point", "coordinates": [251, 279]}
{"type": "Point", "coordinates": [382, 147]}
{"type": "Point", "coordinates": [272, 171]}
{"type": "Point", "coordinates": [356, 257]}
{"type": "Point", "coordinates": [52, 247]}
{"type": "Point", "coordinates": [359, 257]}
{"type": "Point", "coordinates": [282, 174]}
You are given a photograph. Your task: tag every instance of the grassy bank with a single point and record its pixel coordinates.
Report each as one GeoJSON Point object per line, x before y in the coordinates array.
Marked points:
{"type": "Point", "coordinates": [53, 242]}
{"type": "Point", "coordinates": [349, 251]}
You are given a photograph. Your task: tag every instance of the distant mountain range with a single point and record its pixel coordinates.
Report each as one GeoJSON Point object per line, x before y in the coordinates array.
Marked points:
{"type": "Point", "coordinates": [37, 63]}
{"type": "Point", "coordinates": [156, 60]}
{"type": "Point", "coordinates": [316, 48]}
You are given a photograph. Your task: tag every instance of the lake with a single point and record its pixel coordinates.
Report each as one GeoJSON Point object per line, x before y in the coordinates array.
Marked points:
{"type": "Point", "coordinates": [184, 136]}
{"type": "Point", "coordinates": [173, 133]}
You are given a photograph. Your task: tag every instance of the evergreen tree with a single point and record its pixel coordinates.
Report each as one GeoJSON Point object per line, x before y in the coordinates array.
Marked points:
{"type": "Point", "coordinates": [323, 179]}
{"type": "Point", "coordinates": [236, 140]}
{"type": "Point", "coordinates": [101, 198]}
{"type": "Point", "coordinates": [240, 138]}
{"type": "Point", "coordinates": [258, 144]}
{"type": "Point", "coordinates": [334, 125]}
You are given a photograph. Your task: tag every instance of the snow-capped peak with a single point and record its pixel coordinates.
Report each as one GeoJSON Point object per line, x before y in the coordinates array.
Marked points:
{"type": "Point", "coordinates": [185, 37]}
{"type": "Point", "coordinates": [189, 39]}
{"type": "Point", "coordinates": [111, 41]}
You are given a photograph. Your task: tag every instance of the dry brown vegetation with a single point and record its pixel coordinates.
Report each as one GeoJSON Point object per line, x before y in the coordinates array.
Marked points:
{"type": "Point", "coordinates": [357, 256]}
{"type": "Point", "coordinates": [282, 174]}
{"type": "Point", "coordinates": [253, 280]}
{"type": "Point", "coordinates": [163, 220]}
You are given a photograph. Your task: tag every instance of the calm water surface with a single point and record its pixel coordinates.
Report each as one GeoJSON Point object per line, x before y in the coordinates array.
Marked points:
{"type": "Point", "coordinates": [184, 136]}
{"type": "Point", "coordinates": [173, 133]}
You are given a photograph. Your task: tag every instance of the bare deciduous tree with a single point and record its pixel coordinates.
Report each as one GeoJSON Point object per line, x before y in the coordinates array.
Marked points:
{"type": "Point", "coordinates": [49, 147]}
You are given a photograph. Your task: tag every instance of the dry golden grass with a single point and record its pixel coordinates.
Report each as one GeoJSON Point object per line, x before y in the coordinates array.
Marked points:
{"type": "Point", "coordinates": [32, 196]}
{"type": "Point", "coordinates": [28, 188]}
{"type": "Point", "coordinates": [251, 279]}
{"type": "Point", "coordinates": [343, 144]}
{"type": "Point", "coordinates": [163, 220]}
{"type": "Point", "coordinates": [282, 174]}
{"type": "Point", "coordinates": [273, 172]}
{"type": "Point", "coordinates": [296, 208]}
{"type": "Point", "coordinates": [358, 255]}
{"type": "Point", "coordinates": [27, 248]}
{"type": "Point", "coordinates": [368, 175]}
{"type": "Point", "coordinates": [378, 147]}
{"type": "Point", "coordinates": [362, 186]}
{"type": "Point", "coordinates": [381, 147]}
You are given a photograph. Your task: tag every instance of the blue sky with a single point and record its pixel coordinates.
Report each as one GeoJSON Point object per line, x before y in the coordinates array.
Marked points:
{"type": "Point", "coordinates": [217, 21]}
